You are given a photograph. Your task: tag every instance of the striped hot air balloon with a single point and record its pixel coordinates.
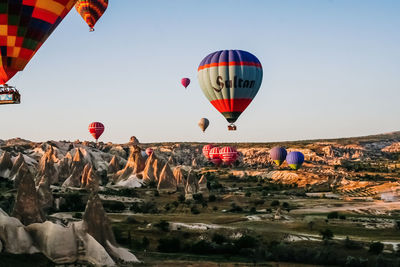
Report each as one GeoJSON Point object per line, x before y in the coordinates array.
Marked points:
{"type": "Point", "coordinates": [230, 79]}
{"type": "Point", "coordinates": [278, 155]}
{"type": "Point", "coordinates": [206, 151]}
{"type": "Point", "coordinates": [185, 82]}
{"type": "Point", "coordinates": [96, 129]}
{"type": "Point", "coordinates": [91, 11]}
{"type": "Point", "coordinates": [228, 155]}
{"type": "Point", "coordinates": [24, 27]}
{"type": "Point", "coordinates": [149, 151]}
{"type": "Point", "coordinates": [215, 156]}
{"type": "Point", "coordinates": [295, 159]}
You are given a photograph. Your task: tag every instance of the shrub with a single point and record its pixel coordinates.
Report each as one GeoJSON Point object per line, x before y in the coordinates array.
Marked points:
{"type": "Point", "coordinates": [326, 234]}
{"type": "Point", "coordinates": [194, 210]}
{"type": "Point", "coordinates": [113, 206]}
{"type": "Point", "coordinates": [131, 220]}
{"type": "Point", "coordinates": [144, 207]}
{"type": "Point", "coordinates": [246, 241]}
{"type": "Point", "coordinates": [145, 242]}
{"type": "Point", "coordinates": [376, 248]}
{"type": "Point", "coordinates": [235, 208]}
{"type": "Point", "coordinates": [218, 238]}
{"type": "Point", "coordinates": [247, 194]}
{"type": "Point", "coordinates": [169, 245]}
{"type": "Point", "coordinates": [202, 247]}
{"type": "Point", "coordinates": [342, 217]}
{"type": "Point", "coordinates": [198, 198]}
{"type": "Point", "coordinates": [285, 205]}
{"type": "Point", "coordinates": [73, 202]}
{"type": "Point", "coordinates": [350, 244]}
{"type": "Point", "coordinates": [275, 203]}
{"type": "Point", "coordinates": [77, 215]}
{"type": "Point", "coordinates": [156, 193]}
{"type": "Point", "coordinates": [333, 215]}
{"type": "Point", "coordinates": [212, 198]}
{"type": "Point", "coordinates": [162, 225]}
{"type": "Point", "coordinates": [215, 208]}
{"type": "Point", "coordinates": [181, 198]}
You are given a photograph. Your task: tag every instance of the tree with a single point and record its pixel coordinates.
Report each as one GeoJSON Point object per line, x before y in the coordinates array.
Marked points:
{"type": "Point", "coordinates": [376, 248]}
{"type": "Point", "coordinates": [326, 234]}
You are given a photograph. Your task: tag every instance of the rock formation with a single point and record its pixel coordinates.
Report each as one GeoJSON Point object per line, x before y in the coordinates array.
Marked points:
{"type": "Point", "coordinates": [44, 193]}
{"type": "Point", "coordinates": [5, 165]}
{"type": "Point", "coordinates": [133, 167]}
{"type": "Point", "coordinates": [194, 163]}
{"type": "Point", "coordinates": [113, 166]}
{"type": "Point", "coordinates": [133, 140]}
{"type": "Point", "coordinates": [26, 207]}
{"type": "Point", "coordinates": [90, 180]}
{"type": "Point", "coordinates": [78, 163]}
{"type": "Point", "coordinates": [152, 170]}
{"type": "Point", "coordinates": [179, 178]}
{"type": "Point", "coordinates": [192, 186]}
{"type": "Point", "coordinates": [64, 169]}
{"type": "Point", "coordinates": [203, 185]}
{"type": "Point", "coordinates": [166, 181]}
{"type": "Point", "coordinates": [46, 169]}
{"type": "Point", "coordinates": [17, 163]}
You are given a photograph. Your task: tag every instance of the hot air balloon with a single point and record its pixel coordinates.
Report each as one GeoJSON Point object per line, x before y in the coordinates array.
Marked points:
{"type": "Point", "coordinates": [215, 156]}
{"type": "Point", "coordinates": [230, 79]}
{"type": "Point", "coordinates": [295, 159]}
{"type": "Point", "coordinates": [228, 155]}
{"type": "Point", "coordinates": [24, 27]}
{"type": "Point", "coordinates": [96, 129]}
{"type": "Point", "coordinates": [91, 11]}
{"type": "Point", "coordinates": [185, 82]}
{"type": "Point", "coordinates": [278, 155]}
{"type": "Point", "coordinates": [149, 151]}
{"type": "Point", "coordinates": [206, 151]}
{"type": "Point", "coordinates": [203, 124]}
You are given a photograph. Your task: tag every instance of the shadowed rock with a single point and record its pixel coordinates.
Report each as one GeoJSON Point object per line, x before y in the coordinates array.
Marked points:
{"type": "Point", "coordinates": [5, 165]}
{"type": "Point", "coordinates": [179, 178]}
{"type": "Point", "coordinates": [203, 185]}
{"type": "Point", "coordinates": [166, 182]}
{"type": "Point", "coordinates": [46, 168]}
{"type": "Point", "coordinates": [90, 180]}
{"type": "Point", "coordinates": [78, 163]}
{"type": "Point", "coordinates": [192, 186]}
{"type": "Point", "coordinates": [113, 166]}
{"type": "Point", "coordinates": [65, 167]}
{"type": "Point", "coordinates": [26, 207]}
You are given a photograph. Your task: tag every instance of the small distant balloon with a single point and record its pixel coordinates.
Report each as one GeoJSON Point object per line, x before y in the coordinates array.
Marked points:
{"type": "Point", "coordinates": [295, 159]}
{"type": "Point", "coordinates": [228, 155]}
{"type": "Point", "coordinates": [91, 11]}
{"type": "Point", "coordinates": [278, 155]}
{"type": "Point", "coordinates": [96, 129]}
{"type": "Point", "coordinates": [203, 124]}
{"type": "Point", "coordinates": [149, 151]}
{"type": "Point", "coordinates": [185, 82]}
{"type": "Point", "coordinates": [215, 156]}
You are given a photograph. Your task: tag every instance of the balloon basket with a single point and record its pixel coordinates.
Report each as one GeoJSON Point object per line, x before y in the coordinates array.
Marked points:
{"type": "Point", "coordinates": [232, 127]}
{"type": "Point", "coordinates": [9, 95]}
{"type": "Point", "coordinates": [91, 30]}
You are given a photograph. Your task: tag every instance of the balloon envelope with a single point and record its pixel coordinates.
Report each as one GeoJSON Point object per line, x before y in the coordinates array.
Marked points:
{"type": "Point", "coordinates": [228, 155]}
{"type": "Point", "coordinates": [96, 129]}
{"type": "Point", "coordinates": [206, 151]}
{"type": "Point", "coordinates": [278, 155]}
{"type": "Point", "coordinates": [215, 156]}
{"type": "Point", "coordinates": [24, 27]}
{"type": "Point", "coordinates": [203, 124]}
{"type": "Point", "coordinates": [185, 82]}
{"type": "Point", "coordinates": [149, 151]}
{"type": "Point", "coordinates": [230, 79]}
{"type": "Point", "coordinates": [91, 10]}
{"type": "Point", "coordinates": [295, 159]}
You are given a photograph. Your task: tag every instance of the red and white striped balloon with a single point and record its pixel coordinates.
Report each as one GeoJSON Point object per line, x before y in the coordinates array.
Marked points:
{"type": "Point", "coordinates": [206, 151]}
{"type": "Point", "coordinates": [149, 151]}
{"type": "Point", "coordinates": [96, 129]}
{"type": "Point", "coordinates": [215, 156]}
{"type": "Point", "coordinates": [228, 155]}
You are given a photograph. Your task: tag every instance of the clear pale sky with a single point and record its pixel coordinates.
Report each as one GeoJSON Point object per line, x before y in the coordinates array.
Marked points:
{"type": "Point", "coordinates": [331, 69]}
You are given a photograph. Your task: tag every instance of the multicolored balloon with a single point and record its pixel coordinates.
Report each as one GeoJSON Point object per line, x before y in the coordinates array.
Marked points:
{"type": "Point", "coordinates": [24, 27]}
{"type": "Point", "coordinates": [206, 151]}
{"type": "Point", "coordinates": [203, 124]}
{"type": "Point", "coordinates": [230, 79]}
{"type": "Point", "coordinates": [228, 155]}
{"type": "Point", "coordinates": [185, 82]}
{"type": "Point", "coordinates": [149, 151]}
{"type": "Point", "coordinates": [278, 155]}
{"type": "Point", "coordinates": [91, 11]}
{"type": "Point", "coordinates": [215, 156]}
{"type": "Point", "coordinates": [96, 129]}
{"type": "Point", "coordinates": [295, 159]}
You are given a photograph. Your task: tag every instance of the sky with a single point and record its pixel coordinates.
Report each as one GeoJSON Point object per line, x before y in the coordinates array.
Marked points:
{"type": "Point", "coordinates": [331, 69]}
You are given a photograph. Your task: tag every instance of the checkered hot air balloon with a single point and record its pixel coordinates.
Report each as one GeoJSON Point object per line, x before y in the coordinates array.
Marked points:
{"type": "Point", "coordinates": [96, 129]}
{"type": "Point", "coordinates": [278, 155]}
{"type": "Point", "coordinates": [91, 11]}
{"type": "Point", "coordinates": [295, 159]}
{"type": "Point", "coordinates": [24, 27]}
{"type": "Point", "coordinates": [230, 79]}
{"type": "Point", "coordinates": [228, 155]}
{"type": "Point", "coordinates": [215, 156]}
{"type": "Point", "coordinates": [206, 151]}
